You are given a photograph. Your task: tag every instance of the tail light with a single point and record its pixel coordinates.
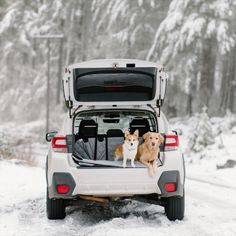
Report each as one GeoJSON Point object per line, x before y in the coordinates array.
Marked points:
{"type": "Point", "coordinates": [170, 187]}
{"type": "Point", "coordinates": [59, 144]}
{"type": "Point", "coordinates": [63, 188]}
{"type": "Point", "coordinates": [171, 142]}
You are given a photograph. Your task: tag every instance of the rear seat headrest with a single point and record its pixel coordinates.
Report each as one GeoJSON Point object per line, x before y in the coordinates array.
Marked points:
{"type": "Point", "coordinates": [88, 129]}
{"type": "Point", "coordinates": [141, 124]}
{"type": "Point", "coordinates": [115, 133]}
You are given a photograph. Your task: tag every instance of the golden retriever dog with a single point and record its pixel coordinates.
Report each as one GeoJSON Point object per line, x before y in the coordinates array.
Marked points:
{"type": "Point", "coordinates": [148, 151]}
{"type": "Point", "coordinates": [128, 149]}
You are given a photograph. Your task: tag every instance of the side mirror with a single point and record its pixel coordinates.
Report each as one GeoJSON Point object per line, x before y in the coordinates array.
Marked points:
{"type": "Point", "coordinates": [50, 135]}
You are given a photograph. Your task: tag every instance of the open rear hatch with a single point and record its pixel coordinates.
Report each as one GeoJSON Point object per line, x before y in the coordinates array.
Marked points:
{"type": "Point", "coordinates": [109, 82]}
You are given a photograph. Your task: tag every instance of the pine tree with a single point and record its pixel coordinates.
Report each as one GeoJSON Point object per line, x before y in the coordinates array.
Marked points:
{"type": "Point", "coordinates": [127, 27]}
{"type": "Point", "coordinates": [23, 61]}
{"type": "Point", "coordinates": [190, 38]}
{"type": "Point", "coordinates": [92, 29]}
{"type": "Point", "coordinates": [202, 135]}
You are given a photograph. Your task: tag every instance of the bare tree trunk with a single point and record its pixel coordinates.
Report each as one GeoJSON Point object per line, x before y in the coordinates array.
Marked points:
{"type": "Point", "coordinates": [34, 54]}
{"type": "Point", "coordinates": [189, 109]}
{"type": "Point", "coordinates": [233, 81]}
{"type": "Point", "coordinates": [59, 75]}
{"type": "Point", "coordinates": [207, 73]}
{"type": "Point", "coordinates": [225, 84]}
{"type": "Point", "coordinates": [70, 36]}
{"type": "Point", "coordinates": [85, 25]}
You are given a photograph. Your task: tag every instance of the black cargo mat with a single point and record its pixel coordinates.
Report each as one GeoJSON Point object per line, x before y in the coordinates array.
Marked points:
{"type": "Point", "coordinates": [101, 163]}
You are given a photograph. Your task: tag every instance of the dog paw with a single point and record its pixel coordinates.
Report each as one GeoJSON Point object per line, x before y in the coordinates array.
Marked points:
{"type": "Point", "coordinates": [124, 165]}
{"type": "Point", "coordinates": [151, 173]}
{"type": "Point", "coordinates": [133, 165]}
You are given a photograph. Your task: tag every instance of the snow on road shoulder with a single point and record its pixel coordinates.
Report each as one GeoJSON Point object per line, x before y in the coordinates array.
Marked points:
{"type": "Point", "coordinates": [22, 186]}
{"type": "Point", "coordinates": [20, 183]}
{"type": "Point", "coordinates": [23, 211]}
{"type": "Point", "coordinates": [202, 165]}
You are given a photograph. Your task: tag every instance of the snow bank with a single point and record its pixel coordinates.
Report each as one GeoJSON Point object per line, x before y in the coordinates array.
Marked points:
{"type": "Point", "coordinates": [20, 183]}
{"type": "Point", "coordinates": [203, 164]}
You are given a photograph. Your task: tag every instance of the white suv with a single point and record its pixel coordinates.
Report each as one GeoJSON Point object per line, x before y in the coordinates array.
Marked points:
{"type": "Point", "coordinates": [104, 98]}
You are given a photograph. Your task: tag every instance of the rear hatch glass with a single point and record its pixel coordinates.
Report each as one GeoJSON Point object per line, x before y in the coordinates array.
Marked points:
{"type": "Point", "coordinates": [120, 84]}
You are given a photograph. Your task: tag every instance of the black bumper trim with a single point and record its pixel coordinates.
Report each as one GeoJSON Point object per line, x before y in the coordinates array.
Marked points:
{"type": "Point", "coordinates": [172, 176]}
{"type": "Point", "coordinates": [61, 178]}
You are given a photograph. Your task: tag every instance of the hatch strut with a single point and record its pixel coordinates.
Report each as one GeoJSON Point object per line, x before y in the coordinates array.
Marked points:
{"type": "Point", "coordinates": [70, 105]}
{"type": "Point", "coordinates": [159, 110]}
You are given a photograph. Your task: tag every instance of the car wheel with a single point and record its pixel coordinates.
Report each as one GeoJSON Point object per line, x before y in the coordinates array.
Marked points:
{"type": "Point", "coordinates": [174, 208]}
{"type": "Point", "coordinates": [55, 208]}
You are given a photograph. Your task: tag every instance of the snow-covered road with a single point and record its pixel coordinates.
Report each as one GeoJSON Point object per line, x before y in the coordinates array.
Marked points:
{"type": "Point", "coordinates": [210, 210]}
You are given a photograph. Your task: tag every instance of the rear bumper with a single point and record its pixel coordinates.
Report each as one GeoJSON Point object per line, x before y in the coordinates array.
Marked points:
{"type": "Point", "coordinates": [106, 181]}
{"type": "Point", "coordinates": [116, 182]}
{"type": "Point", "coordinates": [112, 182]}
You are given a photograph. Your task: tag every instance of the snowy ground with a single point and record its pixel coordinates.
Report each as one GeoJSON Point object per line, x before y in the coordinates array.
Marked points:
{"type": "Point", "coordinates": [210, 201]}
{"type": "Point", "coordinates": [209, 211]}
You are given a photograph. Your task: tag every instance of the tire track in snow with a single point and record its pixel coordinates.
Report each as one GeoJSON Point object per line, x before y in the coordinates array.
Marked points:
{"type": "Point", "coordinates": [211, 183]}
{"type": "Point", "coordinates": [130, 217]}
{"type": "Point", "coordinates": [211, 194]}
{"type": "Point", "coordinates": [204, 216]}
{"type": "Point", "coordinates": [32, 204]}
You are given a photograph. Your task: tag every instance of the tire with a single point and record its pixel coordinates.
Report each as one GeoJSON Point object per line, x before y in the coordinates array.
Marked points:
{"type": "Point", "coordinates": [56, 209]}
{"type": "Point", "coordinates": [174, 208]}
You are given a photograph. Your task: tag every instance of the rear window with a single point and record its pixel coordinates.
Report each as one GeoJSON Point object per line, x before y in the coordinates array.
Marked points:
{"type": "Point", "coordinates": [107, 120]}
{"type": "Point", "coordinates": [110, 85]}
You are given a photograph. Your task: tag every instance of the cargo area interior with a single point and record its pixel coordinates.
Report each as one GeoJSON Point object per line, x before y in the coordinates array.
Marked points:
{"type": "Point", "coordinates": [97, 133]}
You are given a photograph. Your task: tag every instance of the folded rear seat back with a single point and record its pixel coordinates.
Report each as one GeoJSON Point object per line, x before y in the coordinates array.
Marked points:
{"type": "Point", "coordinates": [114, 137]}
{"type": "Point", "coordinates": [86, 143]}
{"type": "Point", "coordinates": [141, 124]}
{"type": "Point", "coordinates": [85, 150]}
{"type": "Point", "coordinates": [101, 147]}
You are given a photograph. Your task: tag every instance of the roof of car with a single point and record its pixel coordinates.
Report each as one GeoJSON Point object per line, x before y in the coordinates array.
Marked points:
{"type": "Point", "coordinates": [106, 63]}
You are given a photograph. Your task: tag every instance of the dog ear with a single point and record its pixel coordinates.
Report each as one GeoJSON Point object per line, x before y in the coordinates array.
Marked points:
{"type": "Point", "coordinates": [126, 133]}
{"type": "Point", "coordinates": [161, 138]}
{"type": "Point", "coordinates": [136, 133]}
{"type": "Point", "coordinates": [145, 136]}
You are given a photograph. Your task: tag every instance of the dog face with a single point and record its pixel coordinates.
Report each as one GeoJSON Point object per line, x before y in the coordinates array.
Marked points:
{"type": "Point", "coordinates": [153, 140]}
{"type": "Point", "coordinates": [131, 140]}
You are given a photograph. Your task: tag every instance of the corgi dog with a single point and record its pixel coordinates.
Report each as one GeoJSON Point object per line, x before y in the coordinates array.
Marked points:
{"type": "Point", "coordinates": [128, 149]}
{"type": "Point", "coordinates": [148, 151]}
